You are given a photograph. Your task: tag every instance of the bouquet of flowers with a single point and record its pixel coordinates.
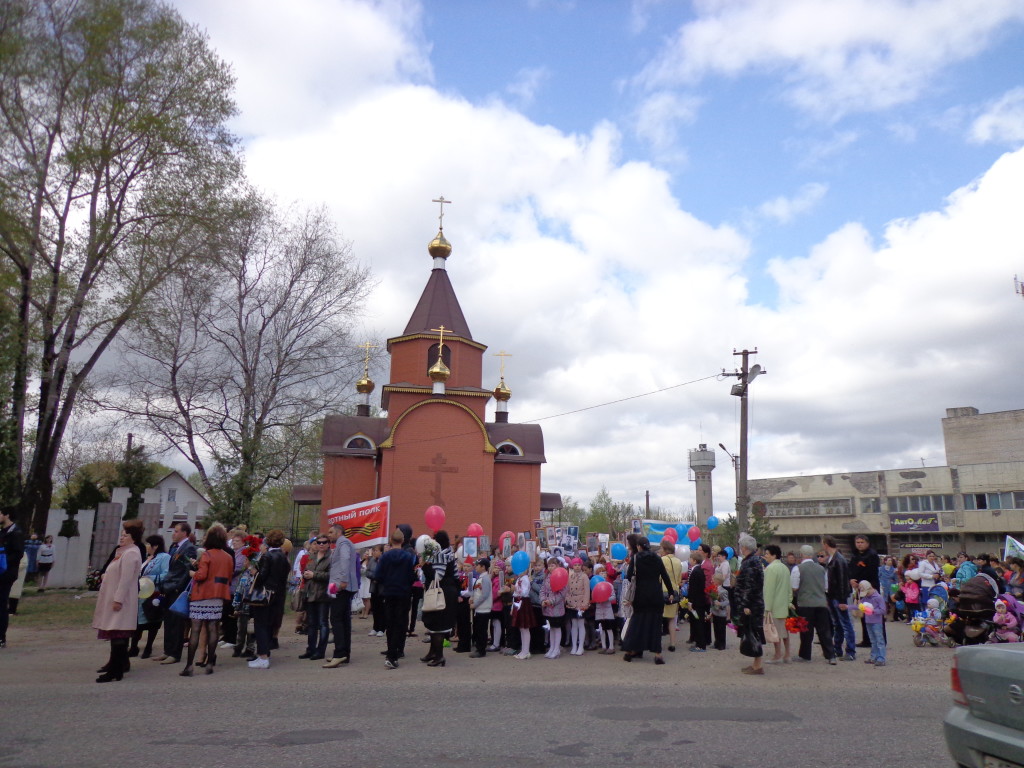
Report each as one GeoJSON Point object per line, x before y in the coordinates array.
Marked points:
{"type": "Point", "coordinates": [796, 624]}
{"type": "Point", "coordinates": [252, 546]}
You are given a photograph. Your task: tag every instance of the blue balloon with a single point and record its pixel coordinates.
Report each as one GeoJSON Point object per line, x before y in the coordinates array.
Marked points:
{"type": "Point", "coordinates": [712, 523]}
{"type": "Point", "coordinates": [596, 579]}
{"type": "Point", "coordinates": [695, 544]}
{"type": "Point", "coordinates": [520, 562]}
{"type": "Point", "coordinates": [730, 552]}
{"type": "Point", "coordinates": [681, 529]}
{"type": "Point", "coordinates": [618, 551]}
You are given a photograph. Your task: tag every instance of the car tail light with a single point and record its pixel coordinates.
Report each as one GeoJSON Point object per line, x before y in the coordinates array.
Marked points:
{"type": "Point", "coordinates": [958, 689]}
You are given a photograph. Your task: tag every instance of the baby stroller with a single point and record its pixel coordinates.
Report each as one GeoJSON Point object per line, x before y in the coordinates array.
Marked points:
{"type": "Point", "coordinates": [975, 609]}
{"type": "Point", "coordinates": [1006, 626]}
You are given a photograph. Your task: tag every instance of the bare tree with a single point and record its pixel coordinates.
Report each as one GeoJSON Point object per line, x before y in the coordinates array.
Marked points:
{"type": "Point", "coordinates": [233, 363]}
{"type": "Point", "coordinates": [113, 151]}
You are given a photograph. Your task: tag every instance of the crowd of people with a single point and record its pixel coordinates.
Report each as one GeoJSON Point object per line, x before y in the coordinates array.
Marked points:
{"type": "Point", "coordinates": [229, 594]}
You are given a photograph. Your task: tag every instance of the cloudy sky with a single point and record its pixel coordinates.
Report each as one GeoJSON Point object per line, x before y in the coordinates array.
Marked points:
{"type": "Point", "coordinates": [641, 188]}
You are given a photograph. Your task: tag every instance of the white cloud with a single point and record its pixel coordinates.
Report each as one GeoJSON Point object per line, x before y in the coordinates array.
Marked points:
{"type": "Point", "coordinates": [296, 63]}
{"type": "Point", "coordinates": [1002, 122]}
{"type": "Point", "coordinates": [784, 209]}
{"type": "Point", "coordinates": [835, 57]}
{"type": "Point", "coordinates": [659, 116]}
{"type": "Point", "coordinates": [528, 81]}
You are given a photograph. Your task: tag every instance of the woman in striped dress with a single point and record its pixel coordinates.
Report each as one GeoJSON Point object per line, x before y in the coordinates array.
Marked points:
{"type": "Point", "coordinates": [440, 564]}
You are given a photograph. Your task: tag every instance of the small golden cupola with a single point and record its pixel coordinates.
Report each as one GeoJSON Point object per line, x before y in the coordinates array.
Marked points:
{"type": "Point", "coordinates": [365, 385]}
{"type": "Point", "coordinates": [502, 393]}
{"type": "Point", "coordinates": [439, 372]}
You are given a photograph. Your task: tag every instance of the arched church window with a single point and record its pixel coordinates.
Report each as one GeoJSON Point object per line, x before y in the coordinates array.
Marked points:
{"type": "Point", "coordinates": [509, 449]}
{"type": "Point", "coordinates": [359, 442]}
{"type": "Point", "coordinates": [446, 356]}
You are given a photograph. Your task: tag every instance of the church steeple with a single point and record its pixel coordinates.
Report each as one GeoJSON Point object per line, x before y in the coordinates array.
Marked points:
{"type": "Point", "coordinates": [438, 304]}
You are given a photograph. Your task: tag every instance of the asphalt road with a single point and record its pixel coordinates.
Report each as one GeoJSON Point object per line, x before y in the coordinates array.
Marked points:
{"type": "Point", "coordinates": [593, 710]}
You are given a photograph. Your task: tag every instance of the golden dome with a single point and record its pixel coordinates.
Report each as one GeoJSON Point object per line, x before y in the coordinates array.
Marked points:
{"type": "Point", "coordinates": [365, 385]}
{"type": "Point", "coordinates": [439, 248]}
{"type": "Point", "coordinates": [502, 393]}
{"type": "Point", "coordinates": [439, 371]}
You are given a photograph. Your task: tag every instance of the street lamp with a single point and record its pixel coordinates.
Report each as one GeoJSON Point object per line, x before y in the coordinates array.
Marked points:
{"type": "Point", "coordinates": [746, 375]}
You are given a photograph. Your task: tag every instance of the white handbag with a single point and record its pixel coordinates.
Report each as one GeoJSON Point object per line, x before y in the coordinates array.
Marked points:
{"type": "Point", "coordinates": [433, 597]}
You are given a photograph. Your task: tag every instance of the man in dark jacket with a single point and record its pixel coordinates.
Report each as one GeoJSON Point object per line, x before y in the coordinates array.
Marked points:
{"type": "Point", "coordinates": [864, 567]}
{"type": "Point", "coordinates": [396, 572]}
{"type": "Point", "coordinates": [837, 593]}
{"type": "Point", "coordinates": [696, 591]}
{"type": "Point", "coordinates": [13, 542]}
{"type": "Point", "coordinates": [183, 554]}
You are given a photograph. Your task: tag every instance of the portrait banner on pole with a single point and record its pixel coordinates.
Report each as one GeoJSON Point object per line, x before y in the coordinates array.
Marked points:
{"type": "Point", "coordinates": [1013, 548]}
{"type": "Point", "coordinates": [365, 524]}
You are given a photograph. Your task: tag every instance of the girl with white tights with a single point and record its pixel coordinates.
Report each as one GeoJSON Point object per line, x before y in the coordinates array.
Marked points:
{"type": "Point", "coordinates": [577, 601]}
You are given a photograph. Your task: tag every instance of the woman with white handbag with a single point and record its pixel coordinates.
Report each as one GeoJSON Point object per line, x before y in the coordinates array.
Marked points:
{"type": "Point", "coordinates": [440, 596]}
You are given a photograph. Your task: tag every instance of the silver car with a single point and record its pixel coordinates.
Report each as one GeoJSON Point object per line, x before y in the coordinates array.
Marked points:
{"type": "Point", "coordinates": [985, 727]}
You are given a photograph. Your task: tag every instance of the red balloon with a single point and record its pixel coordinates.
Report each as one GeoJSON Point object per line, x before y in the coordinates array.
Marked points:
{"type": "Point", "coordinates": [559, 579]}
{"type": "Point", "coordinates": [475, 529]}
{"type": "Point", "coordinates": [694, 533]}
{"type": "Point", "coordinates": [602, 592]}
{"type": "Point", "coordinates": [434, 518]}
{"type": "Point", "coordinates": [670, 533]}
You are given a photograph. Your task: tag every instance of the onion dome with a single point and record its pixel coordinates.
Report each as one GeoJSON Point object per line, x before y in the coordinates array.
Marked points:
{"type": "Point", "coordinates": [439, 247]}
{"type": "Point", "coordinates": [439, 372]}
{"type": "Point", "coordinates": [502, 393]}
{"type": "Point", "coordinates": [365, 385]}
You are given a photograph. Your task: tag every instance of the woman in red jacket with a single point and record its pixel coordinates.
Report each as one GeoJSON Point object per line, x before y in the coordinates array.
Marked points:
{"type": "Point", "coordinates": [210, 588]}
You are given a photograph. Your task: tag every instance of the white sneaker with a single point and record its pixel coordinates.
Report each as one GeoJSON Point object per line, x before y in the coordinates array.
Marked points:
{"type": "Point", "coordinates": [371, 633]}
{"type": "Point", "coordinates": [222, 644]}
{"type": "Point", "coordinates": [259, 663]}
{"type": "Point", "coordinates": [379, 634]}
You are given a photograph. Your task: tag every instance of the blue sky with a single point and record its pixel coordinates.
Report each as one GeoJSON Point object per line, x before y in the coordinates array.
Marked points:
{"type": "Point", "coordinates": [641, 187]}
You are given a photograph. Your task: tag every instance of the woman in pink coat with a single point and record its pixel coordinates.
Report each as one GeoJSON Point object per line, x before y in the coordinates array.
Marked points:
{"type": "Point", "coordinates": [116, 613]}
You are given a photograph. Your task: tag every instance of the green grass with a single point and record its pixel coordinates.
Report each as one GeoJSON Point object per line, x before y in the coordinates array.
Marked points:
{"type": "Point", "coordinates": [57, 609]}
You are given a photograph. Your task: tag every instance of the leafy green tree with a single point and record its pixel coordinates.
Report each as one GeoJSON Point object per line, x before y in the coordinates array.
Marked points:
{"type": "Point", "coordinates": [114, 152]}
{"type": "Point", "coordinates": [136, 473]}
{"type": "Point", "coordinates": [728, 532]}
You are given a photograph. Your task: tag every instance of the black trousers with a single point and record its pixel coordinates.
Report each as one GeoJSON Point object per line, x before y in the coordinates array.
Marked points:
{"type": "Point", "coordinates": [700, 627]}
{"type": "Point", "coordinates": [396, 613]}
{"type": "Point", "coordinates": [820, 621]}
{"type": "Point", "coordinates": [463, 625]}
{"type": "Point", "coordinates": [480, 624]}
{"type": "Point", "coordinates": [341, 624]}
{"type": "Point", "coordinates": [174, 629]}
{"type": "Point", "coordinates": [414, 606]}
{"type": "Point", "coordinates": [720, 625]}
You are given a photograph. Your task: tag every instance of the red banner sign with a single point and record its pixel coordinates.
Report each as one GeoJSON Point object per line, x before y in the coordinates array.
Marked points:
{"type": "Point", "coordinates": [365, 523]}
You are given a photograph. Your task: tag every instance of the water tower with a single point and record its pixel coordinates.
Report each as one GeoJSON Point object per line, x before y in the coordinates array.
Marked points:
{"type": "Point", "coordinates": [702, 464]}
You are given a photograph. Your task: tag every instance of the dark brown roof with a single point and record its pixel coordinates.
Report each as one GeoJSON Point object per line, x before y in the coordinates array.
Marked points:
{"type": "Point", "coordinates": [529, 437]}
{"type": "Point", "coordinates": [550, 501]}
{"type": "Point", "coordinates": [338, 429]}
{"type": "Point", "coordinates": [438, 306]}
{"type": "Point", "coordinates": [307, 494]}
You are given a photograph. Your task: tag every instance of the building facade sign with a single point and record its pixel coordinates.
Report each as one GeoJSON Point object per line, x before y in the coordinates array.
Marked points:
{"type": "Point", "coordinates": [815, 508]}
{"type": "Point", "coordinates": [913, 523]}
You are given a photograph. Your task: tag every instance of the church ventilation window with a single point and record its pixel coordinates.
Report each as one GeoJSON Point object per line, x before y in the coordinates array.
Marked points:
{"type": "Point", "coordinates": [509, 449]}
{"type": "Point", "coordinates": [359, 442]}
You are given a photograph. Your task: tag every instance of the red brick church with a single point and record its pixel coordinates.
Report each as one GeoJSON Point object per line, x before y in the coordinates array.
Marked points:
{"type": "Point", "coordinates": [435, 445]}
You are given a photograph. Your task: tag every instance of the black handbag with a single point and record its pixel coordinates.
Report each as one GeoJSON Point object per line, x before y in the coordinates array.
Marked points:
{"type": "Point", "coordinates": [750, 643]}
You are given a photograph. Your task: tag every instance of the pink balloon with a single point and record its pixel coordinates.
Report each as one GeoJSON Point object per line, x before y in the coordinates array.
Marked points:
{"type": "Point", "coordinates": [475, 529]}
{"type": "Point", "coordinates": [602, 592]}
{"type": "Point", "coordinates": [559, 579]}
{"type": "Point", "coordinates": [434, 518]}
{"type": "Point", "coordinates": [670, 533]}
{"type": "Point", "coordinates": [694, 533]}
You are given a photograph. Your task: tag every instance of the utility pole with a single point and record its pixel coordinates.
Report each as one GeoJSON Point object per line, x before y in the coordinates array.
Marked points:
{"type": "Point", "coordinates": [647, 503]}
{"type": "Point", "coordinates": [745, 374]}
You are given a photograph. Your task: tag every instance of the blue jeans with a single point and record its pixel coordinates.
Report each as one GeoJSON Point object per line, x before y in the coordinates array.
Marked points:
{"type": "Point", "coordinates": [877, 641]}
{"type": "Point", "coordinates": [318, 628]}
{"type": "Point", "coordinates": [842, 627]}
{"type": "Point", "coordinates": [923, 600]}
